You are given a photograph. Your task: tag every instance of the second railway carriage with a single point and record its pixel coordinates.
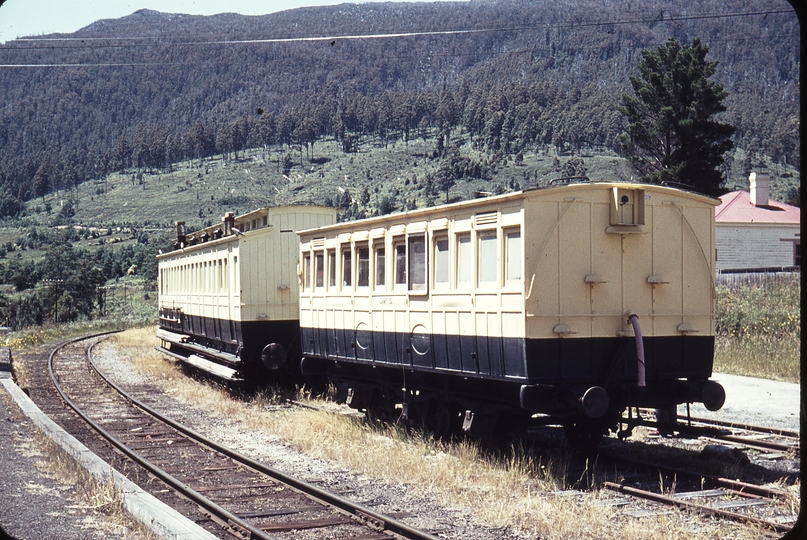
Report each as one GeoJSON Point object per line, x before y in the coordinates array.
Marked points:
{"type": "Point", "coordinates": [229, 293]}
{"type": "Point", "coordinates": [574, 301]}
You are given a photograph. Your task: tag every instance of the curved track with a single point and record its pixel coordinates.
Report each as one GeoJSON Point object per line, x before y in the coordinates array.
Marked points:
{"type": "Point", "coordinates": [235, 493]}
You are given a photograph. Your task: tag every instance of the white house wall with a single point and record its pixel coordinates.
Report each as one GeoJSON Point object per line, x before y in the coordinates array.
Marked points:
{"type": "Point", "coordinates": [759, 245]}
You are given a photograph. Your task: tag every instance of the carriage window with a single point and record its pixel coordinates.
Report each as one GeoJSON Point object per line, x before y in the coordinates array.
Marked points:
{"type": "Point", "coordinates": [487, 258]}
{"type": "Point", "coordinates": [331, 268]}
{"type": "Point", "coordinates": [380, 267]}
{"type": "Point", "coordinates": [319, 270]}
{"type": "Point", "coordinates": [347, 268]}
{"type": "Point", "coordinates": [464, 259]}
{"type": "Point", "coordinates": [307, 271]}
{"type": "Point", "coordinates": [513, 255]}
{"type": "Point", "coordinates": [441, 261]}
{"type": "Point", "coordinates": [400, 263]}
{"type": "Point", "coordinates": [363, 256]}
{"type": "Point", "coordinates": [417, 263]}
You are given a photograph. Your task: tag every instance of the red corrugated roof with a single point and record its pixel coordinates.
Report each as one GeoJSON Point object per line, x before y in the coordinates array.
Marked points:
{"type": "Point", "coordinates": [736, 207]}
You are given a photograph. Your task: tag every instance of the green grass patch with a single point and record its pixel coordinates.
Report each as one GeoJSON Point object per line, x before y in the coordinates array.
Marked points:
{"type": "Point", "coordinates": [759, 329]}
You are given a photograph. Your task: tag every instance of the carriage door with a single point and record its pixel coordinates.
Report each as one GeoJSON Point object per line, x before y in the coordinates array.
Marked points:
{"type": "Point", "coordinates": [627, 219]}
{"type": "Point", "coordinates": [419, 316]}
{"type": "Point", "coordinates": [234, 292]}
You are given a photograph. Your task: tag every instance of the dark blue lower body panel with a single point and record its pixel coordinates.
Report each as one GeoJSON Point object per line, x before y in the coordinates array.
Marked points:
{"type": "Point", "coordinates": [530, 361]}
{"type": "Point", "coordinates": [485, 356]}
{"type": "Point", "coordinates": [495, 369]}
{"type": "Point", "coordinates": [245, 339]}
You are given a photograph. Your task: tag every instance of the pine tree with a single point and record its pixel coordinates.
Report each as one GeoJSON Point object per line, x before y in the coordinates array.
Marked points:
{"type": "Point", "coordinates": [672, 136]}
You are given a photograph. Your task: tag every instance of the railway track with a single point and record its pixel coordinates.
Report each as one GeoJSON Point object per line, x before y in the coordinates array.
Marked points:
{"type": "Point", "coordinates": [773, 441]}
{"type": "Point", "coordinates": [689, 488]}
{"type": "Point", "coordinates": [232, 493]}
{"type": "Point", "coordinates": [724, 503]}
{"type": "Point", "coordinates": [708, 495]}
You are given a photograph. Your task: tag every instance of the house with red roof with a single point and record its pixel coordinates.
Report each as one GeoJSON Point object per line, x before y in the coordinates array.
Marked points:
{"type": "Point", "coordinates": [753, 232]}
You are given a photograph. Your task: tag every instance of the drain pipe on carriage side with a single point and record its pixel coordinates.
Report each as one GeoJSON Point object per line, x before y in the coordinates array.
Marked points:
{"type": "Point", "coordinates": [640, 365]}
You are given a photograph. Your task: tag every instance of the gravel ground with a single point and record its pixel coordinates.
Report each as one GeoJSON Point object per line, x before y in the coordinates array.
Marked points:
{"type": "Point", "coordinates": [36, 505]}
{"type": "Point", "coordinates": [755, 401]}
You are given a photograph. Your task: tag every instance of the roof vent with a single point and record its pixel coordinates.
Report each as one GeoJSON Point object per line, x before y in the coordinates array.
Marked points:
{"type": "Point", "coordinates": [760, 188]}
{"type": "Point", "coordinates": [486, 218]}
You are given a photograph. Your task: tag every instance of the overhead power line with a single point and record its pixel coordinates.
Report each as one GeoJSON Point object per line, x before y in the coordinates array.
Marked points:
{"type": "Point", "coordinates": [663, 16]}
{"type": "Point", "coordinates": [126, 42]}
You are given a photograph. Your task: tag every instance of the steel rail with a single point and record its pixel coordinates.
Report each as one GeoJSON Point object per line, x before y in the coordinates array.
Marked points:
{"type": "Point", "coordinates": [747, 427]}
{"type": "Point", "coordinates": [717, 481]}
{"type": "Point", "coordinates": [223, 516]}
{"type": "Point", "coordinates": [757, 444]}
{"type": "Point", "coordinates": [361, 512]}
{"type": "Point", "coordinates": [717, 512]}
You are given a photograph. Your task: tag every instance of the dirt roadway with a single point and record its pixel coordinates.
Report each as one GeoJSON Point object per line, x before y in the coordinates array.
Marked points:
{"type": "Point", "coordinates": [755, 401]}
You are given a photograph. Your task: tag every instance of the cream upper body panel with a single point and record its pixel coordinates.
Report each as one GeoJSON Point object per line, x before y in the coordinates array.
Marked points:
{"type": "Point", "coordinates": [567, 261]}
{"type": "Point", "coordinates": [247, 275]}
{"type": "Point", "coordinates": [600, 251]}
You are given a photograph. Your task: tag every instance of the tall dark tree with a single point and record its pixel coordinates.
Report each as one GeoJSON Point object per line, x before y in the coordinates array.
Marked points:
{"type": "Point", "coordinates": [673, 135]}
{"type": "Point", "coordinates": [42, 182]}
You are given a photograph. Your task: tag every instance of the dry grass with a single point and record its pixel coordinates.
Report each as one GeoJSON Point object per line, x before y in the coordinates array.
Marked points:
{"type": "Point", "coordinates": [759, 328]}
{"type": "Point", "coordinates": [765, 356]}
{"type": "Point", "coordinates": [88, 494]}
{"type": "Point", "coordinates": [513, 490]}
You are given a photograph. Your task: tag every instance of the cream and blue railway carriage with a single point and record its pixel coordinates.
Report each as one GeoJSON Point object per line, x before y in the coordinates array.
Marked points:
{"type": "Point", "coordinates": [228, 295]}
{"type": "Point", "coordinates": [528, 303]}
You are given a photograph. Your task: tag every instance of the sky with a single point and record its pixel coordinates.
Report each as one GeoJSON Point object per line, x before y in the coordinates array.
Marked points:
{"type": "Point", "coordinates": [21, 18]}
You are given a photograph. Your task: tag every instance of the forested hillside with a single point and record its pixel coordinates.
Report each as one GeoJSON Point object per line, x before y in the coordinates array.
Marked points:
{"type": "Point", "coordinates": [152, 89]}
